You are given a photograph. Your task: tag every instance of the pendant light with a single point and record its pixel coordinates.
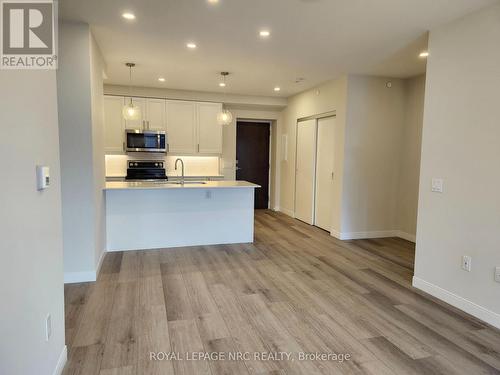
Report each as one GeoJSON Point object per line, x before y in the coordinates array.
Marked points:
{"type": "Point", "coordinates": [131, 111]}
{"type": "Point", "coordinates": [224, 117]}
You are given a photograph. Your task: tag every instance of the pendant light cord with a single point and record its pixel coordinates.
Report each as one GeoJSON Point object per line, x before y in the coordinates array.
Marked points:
{"type": "Point", "coordinates": [130, 83]}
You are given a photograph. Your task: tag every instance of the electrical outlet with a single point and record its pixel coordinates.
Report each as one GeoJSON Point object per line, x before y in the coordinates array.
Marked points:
{"type": "Point", "coordinates": [437, 185]}
{"type": "Point", "coordinates": [497, 274]}
{"type": "Point", "coordinates": [466, 263]}
{"type": "Point", "coordinates": [48, 328]}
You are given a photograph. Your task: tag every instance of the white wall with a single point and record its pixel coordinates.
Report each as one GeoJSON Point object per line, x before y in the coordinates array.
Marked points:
{"type": "Point", "coordinates": [409, 167]}
{"type": "Point", "coordinates": [97, 68]}
{"type": "Point", "coordinates": [79, 80]}
{"type": "Point", "coordinates": [460, 144]}
{"type": "Point", "coordinates": [31, 271]}
{"type": "Point", "coordinates": [194, 166]}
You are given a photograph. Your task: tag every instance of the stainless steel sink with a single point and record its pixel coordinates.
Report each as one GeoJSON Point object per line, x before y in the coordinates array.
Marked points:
{"type": "Point", "coordinates": [186, 182]}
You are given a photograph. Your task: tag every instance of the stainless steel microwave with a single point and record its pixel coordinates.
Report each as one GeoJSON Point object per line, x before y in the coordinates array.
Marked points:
{"type": "Point", "coordinates": [145, 141]}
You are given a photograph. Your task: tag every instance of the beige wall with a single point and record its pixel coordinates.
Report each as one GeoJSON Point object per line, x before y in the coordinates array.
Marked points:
{"type": "Point", "coordinates": [228, 162]}
{"type": "Point", "coordinates": [31, 270]}
{"type": "Point", "coordinates": [409, 166]}
{"type": "Point", "coordinates": [79, 80]}
{"type": "Point", "coordinates": [330, 96]}
{"type": "Point", "coordinates": [461, 144]}
{"type": "Point", "coordinates": [375, 118]}
{"type": "Point", "coordinates": [376, 133]}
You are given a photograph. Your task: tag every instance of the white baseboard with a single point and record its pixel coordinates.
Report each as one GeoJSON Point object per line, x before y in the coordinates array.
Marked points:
{"type": "Point", "coordinates": [61, 362]}
{"type": "Point", "coordinates": [85, 276]}
{"type": "Point", "coordinates": [406, 236]}
{"type": "Point", "coordinates": [461, 303]}
{"type": "Point", "coordinates": [372, 234]}
{"type": "Point", "coordinates": [335, 233]}
{"type": "Point", "coordinates": [365, 235]}
{"type": "Point", "coordinates": [288, 212]}
{"type": "Point", "coordinates": [79, 277]}
{"type": "Point", "coordinates": [99, 263]}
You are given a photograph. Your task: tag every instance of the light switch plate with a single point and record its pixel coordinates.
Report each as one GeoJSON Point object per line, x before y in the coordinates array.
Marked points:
{"type": "Point", "coordinates": [437, 185]}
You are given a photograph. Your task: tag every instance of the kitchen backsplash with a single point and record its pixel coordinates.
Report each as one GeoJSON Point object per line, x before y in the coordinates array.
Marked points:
{"type": "Point", "coordinates": [116, 165]}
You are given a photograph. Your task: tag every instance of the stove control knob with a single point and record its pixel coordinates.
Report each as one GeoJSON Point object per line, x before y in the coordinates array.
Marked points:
{"type": "Point", "coordinates": [156, 164]}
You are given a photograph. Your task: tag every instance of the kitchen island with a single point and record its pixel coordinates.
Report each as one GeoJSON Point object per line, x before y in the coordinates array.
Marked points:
{"type": "Point", "coordinates": [150, 215]}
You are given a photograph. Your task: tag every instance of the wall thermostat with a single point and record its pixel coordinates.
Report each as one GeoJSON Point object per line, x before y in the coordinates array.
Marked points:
{"type": "Point", "coordinates": [42, 177]}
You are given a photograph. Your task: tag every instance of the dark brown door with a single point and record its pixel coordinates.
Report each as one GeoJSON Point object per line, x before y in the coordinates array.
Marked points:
{"type": "Point", "coordinates": [252, 156]}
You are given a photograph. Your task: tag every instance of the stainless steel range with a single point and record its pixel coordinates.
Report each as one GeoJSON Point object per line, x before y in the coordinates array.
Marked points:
{"type": "Point", "coordinates": [146, 170]}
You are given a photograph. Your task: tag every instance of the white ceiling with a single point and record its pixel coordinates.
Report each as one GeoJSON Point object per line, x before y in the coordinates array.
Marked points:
{"type": "Point", "coordinates": [314, 39]}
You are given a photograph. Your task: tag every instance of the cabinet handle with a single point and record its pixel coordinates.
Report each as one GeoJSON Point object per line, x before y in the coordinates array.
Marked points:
{"type": "Point", "coordinates": [198, 147]}
{"type": "Point", "coordinates": [124, 146]}
{"type": "Point", "coordinates": [168, 147]}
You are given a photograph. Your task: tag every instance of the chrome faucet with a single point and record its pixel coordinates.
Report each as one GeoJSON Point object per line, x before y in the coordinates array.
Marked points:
{"type": "Point", "coordinates": [182, 165]}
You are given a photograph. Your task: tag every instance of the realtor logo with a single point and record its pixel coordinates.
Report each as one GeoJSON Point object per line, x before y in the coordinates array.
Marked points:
{"type": "Point", "coordinates": [28, 35]}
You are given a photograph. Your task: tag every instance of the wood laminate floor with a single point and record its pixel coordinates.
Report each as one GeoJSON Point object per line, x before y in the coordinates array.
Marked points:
{"type": "Point", "coordinates": [295, 290]}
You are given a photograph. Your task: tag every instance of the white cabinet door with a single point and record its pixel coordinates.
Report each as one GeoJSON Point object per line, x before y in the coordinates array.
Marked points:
{"type": "Point", "coordinates": [114, 125]}
{"type": "Point", "coordinates": [209, 129]}
{"type": "Point", "coordinates": [136, 124]}
{"type": "Point", "coordinates": [324, 173]}
{"type": "Point", "coordinates": [304, 176]}
{"type": "Point", "coordinates": [155, 114]}
{"type": "Point", "coordinates": [181, 127]}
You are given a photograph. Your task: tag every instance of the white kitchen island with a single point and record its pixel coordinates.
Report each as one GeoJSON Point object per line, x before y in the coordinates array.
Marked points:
{"type": "Point", "coordinates": [152, 215]}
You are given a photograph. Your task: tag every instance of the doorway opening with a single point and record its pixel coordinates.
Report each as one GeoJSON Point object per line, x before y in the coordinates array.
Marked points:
{"type": "Point", "coordinates": [253, 157]}
{"type": "Point", "coordinates": [314, 171]}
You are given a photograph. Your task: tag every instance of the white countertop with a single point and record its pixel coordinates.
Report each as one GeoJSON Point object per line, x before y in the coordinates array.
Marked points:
{"type": "Point", "coordinates": [174, 176]}
{"type": "Point", "coordinates": [147, 185]}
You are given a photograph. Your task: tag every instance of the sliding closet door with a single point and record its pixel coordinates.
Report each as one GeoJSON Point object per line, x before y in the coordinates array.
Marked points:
{"type": "Point", "coordinates": [304, 174]}
{"type": "Point", "coordinates": [324, 174]}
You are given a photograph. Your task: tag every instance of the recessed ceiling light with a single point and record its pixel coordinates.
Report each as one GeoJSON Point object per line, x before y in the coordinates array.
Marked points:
{"type": "Point", "coordinates": [128, 16]}
{"type": "Point", "coordinates": [222, 84]}
{"type": "Point", "coordinates": [213, 1]}
{"type": "Point", "coordinates": [424, 54]}
{"type": "Point", "coordinates": [264, 33]}
{"type": "Point", "coordinates": [161, 79]}
{"type": "Point", "coordinates": [277, 89]}
{"type": "Point", "coordinates": [191, 45]}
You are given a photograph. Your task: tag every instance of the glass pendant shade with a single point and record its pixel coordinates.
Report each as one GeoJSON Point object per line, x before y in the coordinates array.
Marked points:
{"type": "Point", "coordinates": [225, 117]}
{"type": "Point", "coordinates": [131, 111]}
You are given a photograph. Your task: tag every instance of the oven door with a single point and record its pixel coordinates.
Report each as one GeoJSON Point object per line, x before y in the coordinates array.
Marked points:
{"type": "Point", "coordinates": [145, 141]}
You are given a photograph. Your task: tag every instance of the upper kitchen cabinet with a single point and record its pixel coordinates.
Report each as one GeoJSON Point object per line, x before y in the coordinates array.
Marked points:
{"type": "Point", "coordinates": [209, 129]}
{"type": "Point", "coordinates": [181, 127]}
{"type": "Point", "coordinates": [192, 127]}
{"type": "Point", "coordinates": [140, 123]}
{"type": "Point", "coordinates": [114, 124]}
{"type": "Point", "coordinates": [155, 116]}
